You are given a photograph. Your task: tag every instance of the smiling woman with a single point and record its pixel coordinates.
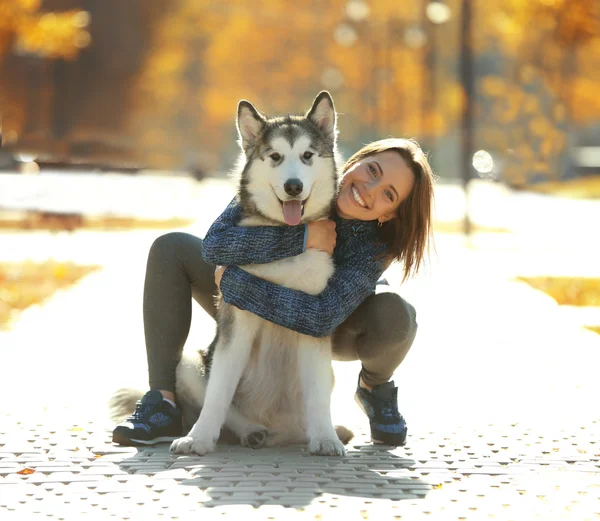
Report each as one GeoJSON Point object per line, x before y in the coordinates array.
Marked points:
{"type": "Point", "coordinates": [390, 181]}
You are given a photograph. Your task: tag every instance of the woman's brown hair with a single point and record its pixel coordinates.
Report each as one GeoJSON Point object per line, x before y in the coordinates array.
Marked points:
{"type": "Point", "coordinates": [409, 234]}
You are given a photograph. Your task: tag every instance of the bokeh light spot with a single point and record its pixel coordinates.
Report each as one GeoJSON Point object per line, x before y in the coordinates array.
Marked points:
{"type": "Point", "coordinates": [438, 12]}
{"type": "Point", "coordinates": [483, 163]}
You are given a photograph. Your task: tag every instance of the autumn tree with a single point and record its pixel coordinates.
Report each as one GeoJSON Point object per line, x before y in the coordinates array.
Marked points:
{"type": "Point", "coordinates": [24, 28]}
{"type": "Point", "coordinates": [207, 56]}
{"type": "Point", "coordinates": [391, 72]}
{"type": "Point", "coordinates": [545, 83]}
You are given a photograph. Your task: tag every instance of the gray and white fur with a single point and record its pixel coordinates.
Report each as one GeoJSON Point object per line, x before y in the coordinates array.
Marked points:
{"type": "Point", "coordinates": [267, 384]}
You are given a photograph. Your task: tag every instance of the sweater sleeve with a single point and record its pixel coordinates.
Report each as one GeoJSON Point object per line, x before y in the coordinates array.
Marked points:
{"type": "Point", "coordinates": [227, 244]}
{"type": "Point", "coordinates": [314, 315]}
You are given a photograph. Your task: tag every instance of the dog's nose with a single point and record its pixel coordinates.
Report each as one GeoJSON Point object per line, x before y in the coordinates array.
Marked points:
{"type": "Point", "coordinates": [293, 187]}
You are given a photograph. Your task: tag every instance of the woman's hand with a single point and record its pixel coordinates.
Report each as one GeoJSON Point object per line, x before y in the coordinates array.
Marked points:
{"type": "Point", "coordinates": [321, 235]}
{"type": "Point", "coordinates": [218, 274]}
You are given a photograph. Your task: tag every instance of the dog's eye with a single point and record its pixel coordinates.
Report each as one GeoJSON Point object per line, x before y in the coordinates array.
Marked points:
{"type": "Point", "coordinates": [307, 155]}
{"type": "Point", "coordinates": [275, 156]}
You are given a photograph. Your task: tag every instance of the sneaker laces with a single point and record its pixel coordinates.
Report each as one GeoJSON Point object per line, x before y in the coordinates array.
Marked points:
{"type": "Point", "coordinates": [143, 411]}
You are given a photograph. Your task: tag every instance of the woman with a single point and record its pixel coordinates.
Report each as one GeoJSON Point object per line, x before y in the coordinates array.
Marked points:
{"type": "Point", "coordinates": [382, 214]}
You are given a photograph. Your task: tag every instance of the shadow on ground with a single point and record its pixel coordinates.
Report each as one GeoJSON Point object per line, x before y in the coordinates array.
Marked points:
{"type": "Point", "coordinates": [287, 476]}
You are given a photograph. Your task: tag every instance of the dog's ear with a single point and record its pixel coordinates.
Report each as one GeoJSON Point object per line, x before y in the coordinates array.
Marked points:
{"type": "Point", "coordinates": [250, 124]}
{"type": "Point", "coordinates": [322, 113]}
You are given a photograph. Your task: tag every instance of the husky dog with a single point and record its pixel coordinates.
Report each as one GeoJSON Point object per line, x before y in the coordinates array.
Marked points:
{"type": "Point", "coordinates": [256, 374]}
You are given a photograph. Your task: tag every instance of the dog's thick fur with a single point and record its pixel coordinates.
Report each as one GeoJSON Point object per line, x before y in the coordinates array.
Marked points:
{"type": "Point", "coordinates": [256, 374]}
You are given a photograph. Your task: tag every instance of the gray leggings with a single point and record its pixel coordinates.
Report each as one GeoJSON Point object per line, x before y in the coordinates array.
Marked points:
{"type": "Point", "coordinates": [379, 333]}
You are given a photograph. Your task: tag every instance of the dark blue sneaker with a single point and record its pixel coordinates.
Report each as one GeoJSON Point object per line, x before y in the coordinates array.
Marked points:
{"type": "Point", "coordinates": [388, 426]}
{"type": "Point", "coordinates": [153, 421]}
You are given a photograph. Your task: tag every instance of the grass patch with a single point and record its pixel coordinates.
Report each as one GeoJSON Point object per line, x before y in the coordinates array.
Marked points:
{"type": "Point", "coordinates": [595, 329]}
{"type": "Point", "coordinates": [459, 227]}
{"type": "Point", "coordinates": [25, 284]}
{"type": "Point", "coordinates": [581, 188]}
{"type": "Point", "coordinates": [60, 222]}
{"type": "Point", "coordinates": [568, 291]}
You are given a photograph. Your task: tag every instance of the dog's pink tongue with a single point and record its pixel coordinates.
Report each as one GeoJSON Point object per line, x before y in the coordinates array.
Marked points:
{"type": "Point", "coordinates": [292, 212]}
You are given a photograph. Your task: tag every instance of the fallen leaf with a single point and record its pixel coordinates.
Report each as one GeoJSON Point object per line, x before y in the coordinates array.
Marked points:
{"type": "Point", "coordinates": [26, 471]}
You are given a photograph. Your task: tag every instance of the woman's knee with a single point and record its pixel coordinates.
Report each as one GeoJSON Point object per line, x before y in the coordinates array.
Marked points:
{"type": "Point", "coordinates": [392, 319]}
{"type": "Point", "coordinates": [168, 245]}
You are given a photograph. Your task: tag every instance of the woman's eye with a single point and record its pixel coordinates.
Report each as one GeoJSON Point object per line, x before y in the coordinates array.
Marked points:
{"type": "Point", "coordinates": [307, 155]}
{"type": "Point", "coordinates": [275, 156]}
{"type": "Point", "coordinates": [372, 169]}
{"type": "Point", "coordinates": [389, 195]}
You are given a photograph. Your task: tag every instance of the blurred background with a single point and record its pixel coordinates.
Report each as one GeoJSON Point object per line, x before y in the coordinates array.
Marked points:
{"type": "Point", "coordinates": [120, 115]}
{"type": "Point", "coordinates": [155, 83]}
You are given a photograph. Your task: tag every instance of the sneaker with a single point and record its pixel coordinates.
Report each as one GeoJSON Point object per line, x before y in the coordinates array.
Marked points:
{"type": "Point", "coordinates": [388, 426]}
{"type": "Point", "coordinates": [154, 420]}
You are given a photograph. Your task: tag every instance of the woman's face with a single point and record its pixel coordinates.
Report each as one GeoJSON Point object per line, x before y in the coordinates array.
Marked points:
{"type": "Point", "coordinates": [374, 187]}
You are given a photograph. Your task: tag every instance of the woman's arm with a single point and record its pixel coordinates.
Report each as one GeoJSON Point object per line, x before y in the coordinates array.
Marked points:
{"type": "Point", "coordinates": [226, 243]}
{"type": "Point", "coordinates": [314, 315]}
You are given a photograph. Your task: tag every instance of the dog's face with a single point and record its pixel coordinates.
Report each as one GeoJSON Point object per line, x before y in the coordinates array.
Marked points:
{"type": "Point", "coordinates": [290, 171]}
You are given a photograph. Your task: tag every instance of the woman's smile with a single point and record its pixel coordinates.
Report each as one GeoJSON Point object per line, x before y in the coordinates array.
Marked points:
{"type": "Point", "coordinates": [355, 195]}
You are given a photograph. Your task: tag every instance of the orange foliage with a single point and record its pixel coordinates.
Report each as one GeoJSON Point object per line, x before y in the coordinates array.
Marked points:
{"type": "Point", "coordinates": [280, 53]}
{"type": "Point", "coordinates": [53, 35]}
{"type": "Point", "coordinates": [23, 285]}
{"type": "Point", "coordinates": [278, 56]}
{"type": "Point", "coordinates": [563, 47]}
{"type": "Point", "coordinates": [548, 50]}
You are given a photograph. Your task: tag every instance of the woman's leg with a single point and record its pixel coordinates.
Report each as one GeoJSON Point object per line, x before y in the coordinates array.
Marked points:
{"type": "Point", "coordinates": [176, 271]}
{"type": "Point", "coordinates": [379, 333]}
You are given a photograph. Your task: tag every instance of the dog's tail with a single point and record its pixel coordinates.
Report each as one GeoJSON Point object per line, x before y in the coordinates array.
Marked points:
{"type": "Point", "coordinates": [122, 403]}
{"type": "Point", "coordinates": [344, 434]}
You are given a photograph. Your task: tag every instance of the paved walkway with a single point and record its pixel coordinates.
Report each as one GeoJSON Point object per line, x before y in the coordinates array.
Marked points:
{"type": "Point", "coordinates": [500, 392]}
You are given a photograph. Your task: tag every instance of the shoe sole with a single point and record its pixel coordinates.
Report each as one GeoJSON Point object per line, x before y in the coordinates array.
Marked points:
{"type": "Point", "coordinates": [121, 439]}
{"type": "Point", "coordinates": [377, 442]}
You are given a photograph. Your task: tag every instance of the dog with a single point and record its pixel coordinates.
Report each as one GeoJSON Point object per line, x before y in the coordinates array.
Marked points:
{"type": "Point", "coordinates": [255, 374]}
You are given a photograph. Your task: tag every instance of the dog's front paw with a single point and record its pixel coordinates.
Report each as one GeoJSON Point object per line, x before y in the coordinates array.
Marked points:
{"type": "Point", "coordinates": [256, 438]}
{"type": "Point", "coordinates": [325, 446]}
{"type": "Point", "coordinates": [189, 445]}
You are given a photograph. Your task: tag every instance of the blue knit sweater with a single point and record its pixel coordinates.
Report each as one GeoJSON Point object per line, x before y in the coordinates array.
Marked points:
{"type": "Point", "coordinates": [356, 270]}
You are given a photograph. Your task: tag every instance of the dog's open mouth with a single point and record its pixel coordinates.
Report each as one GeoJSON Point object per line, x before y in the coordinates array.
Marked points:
{"type": "Point", "coordinates": [293, 210]}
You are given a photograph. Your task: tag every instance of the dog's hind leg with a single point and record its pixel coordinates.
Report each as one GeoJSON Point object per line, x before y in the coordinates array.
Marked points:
{"type": "Point", "coordinates": [250, 434]}
{"type": "Point", "coordinates": [228, 364]}
{"type": "Point", "coordinates": [316, 376]}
